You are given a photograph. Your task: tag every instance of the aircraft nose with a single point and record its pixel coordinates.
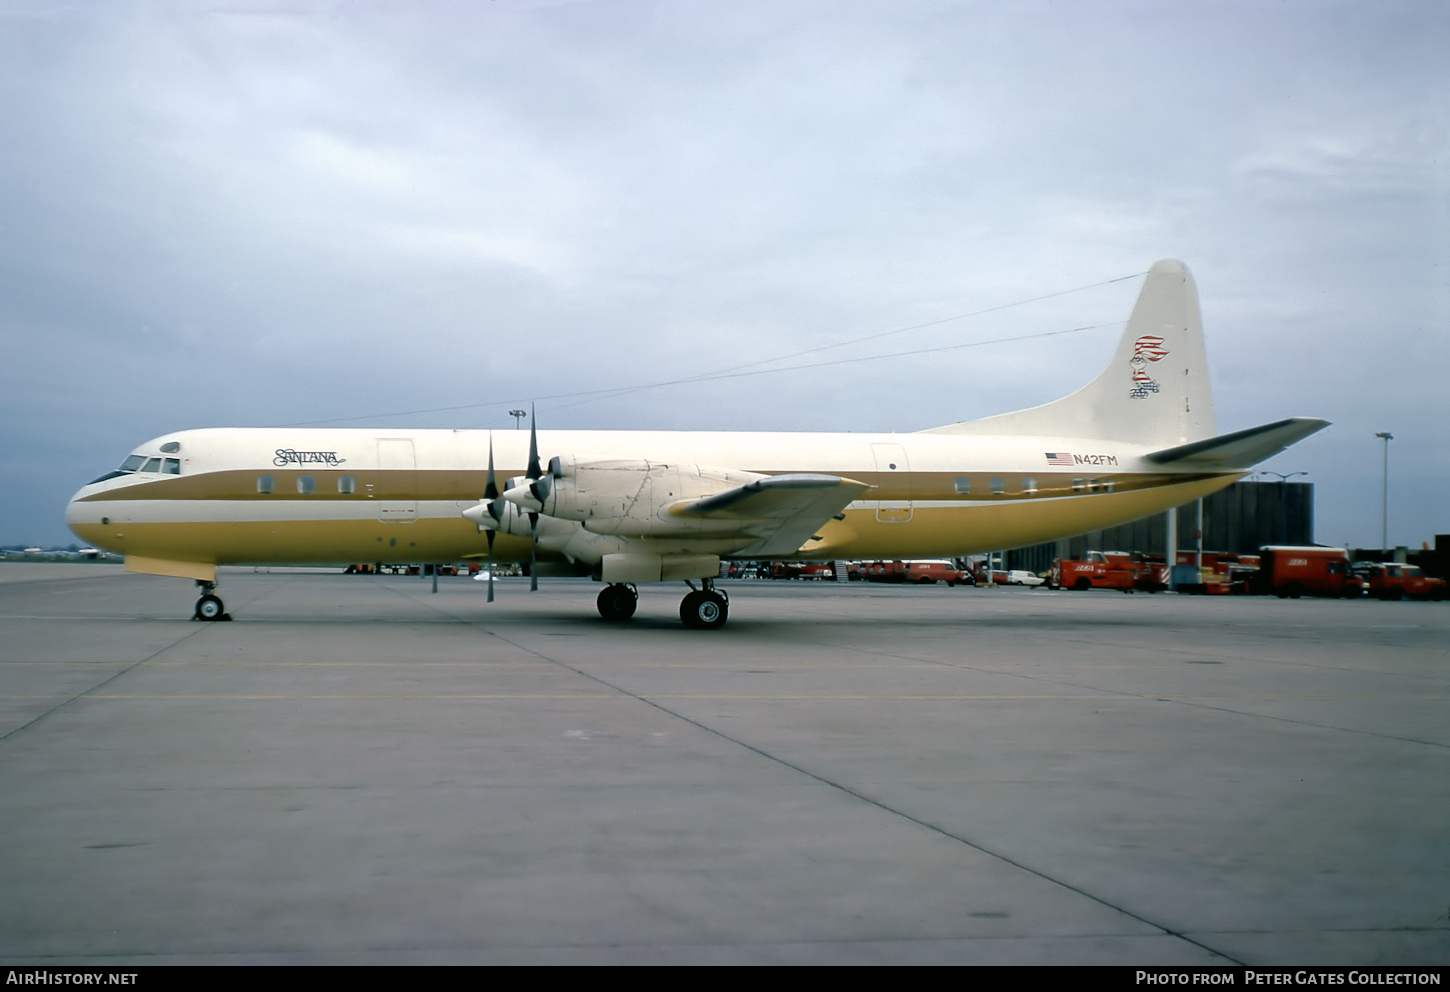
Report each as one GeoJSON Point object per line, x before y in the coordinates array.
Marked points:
{"type": "Point", "coordinates": [90, 521]}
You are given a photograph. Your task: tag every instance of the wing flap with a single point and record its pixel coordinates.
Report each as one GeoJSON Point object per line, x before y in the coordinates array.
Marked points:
{"type": "Point", "coordinates": [1241, 449]}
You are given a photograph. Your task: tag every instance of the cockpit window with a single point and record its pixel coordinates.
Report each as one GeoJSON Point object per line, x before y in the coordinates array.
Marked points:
{"type": "Point", "coordinates": [134, 463]}
{"type": "Point", "coordinates": [171, 466]}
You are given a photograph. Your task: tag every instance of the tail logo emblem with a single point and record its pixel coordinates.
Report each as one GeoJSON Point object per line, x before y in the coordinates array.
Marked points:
{"type": "Point", "coordinates": [1148, 348]}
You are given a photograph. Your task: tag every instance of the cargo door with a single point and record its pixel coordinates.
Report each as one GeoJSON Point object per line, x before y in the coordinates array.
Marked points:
{"type": "Point", "coordinates": [893, 482]}
{"type": "Point", "coordinates": [396, 489]}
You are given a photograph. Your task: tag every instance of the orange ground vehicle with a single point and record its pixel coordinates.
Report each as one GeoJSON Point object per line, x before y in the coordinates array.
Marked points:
{"type": "Point", "coordinates": [913, 571]}
{"type": "Point", "coordinates": [1095, 570]}
{"type": "Point", "coordinates": [1291, 572]}
{"type": "Point", "coordinates": [1390, 580]}
{"type": "Point", "coordinates": [882, 571]}
{"type": "Point", "coordinates": [1220, 574]}
{"type": "Point", "coordinates": [934, 571]}
{"type": "Point", "coordinates": [802, 570]}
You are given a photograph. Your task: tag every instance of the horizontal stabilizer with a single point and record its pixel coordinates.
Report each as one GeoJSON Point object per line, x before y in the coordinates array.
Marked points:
{"type": "Point", "coordinates": [1241, 449]}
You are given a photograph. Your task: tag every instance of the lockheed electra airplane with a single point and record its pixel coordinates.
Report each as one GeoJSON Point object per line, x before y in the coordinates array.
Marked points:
{"type": "Point", "coordinates": [632, 507]}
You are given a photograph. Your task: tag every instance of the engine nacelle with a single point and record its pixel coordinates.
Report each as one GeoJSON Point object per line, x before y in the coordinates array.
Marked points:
{"type": "Point", "coordinates": [633, 496]}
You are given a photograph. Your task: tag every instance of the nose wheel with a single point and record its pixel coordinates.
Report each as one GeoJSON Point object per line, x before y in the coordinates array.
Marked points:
{"type": "Point", "coordinates": [704, 609]}
{"type": "Point", "coordinates": [617, 602]}
{"type": "Point", "coordinates": [209, 606]}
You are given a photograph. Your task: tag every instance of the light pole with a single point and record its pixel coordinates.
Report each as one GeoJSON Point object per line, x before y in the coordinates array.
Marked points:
{"type": "Point", "coordinates": [1283, 501]}
{"type": "Point", "coordinates": [518, 415]}
{"type": "Point", "coordinates": [1387, 437]}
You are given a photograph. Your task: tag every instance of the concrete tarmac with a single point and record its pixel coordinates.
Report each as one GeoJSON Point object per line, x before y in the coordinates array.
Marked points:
{"type": "Point", "coordinates": [356, 770]}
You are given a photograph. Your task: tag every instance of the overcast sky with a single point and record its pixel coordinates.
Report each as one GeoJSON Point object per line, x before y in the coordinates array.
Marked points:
{"type": "Point", "coordinates": [255, 213]}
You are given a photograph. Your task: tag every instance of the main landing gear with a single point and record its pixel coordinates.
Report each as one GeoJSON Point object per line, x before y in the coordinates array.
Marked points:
{"type": "Point", "coordinates": [703, 609]}
{"type": "Point", "coordinates": [617, 602]}
{"type": "Point", "coordinates": [209, 606]}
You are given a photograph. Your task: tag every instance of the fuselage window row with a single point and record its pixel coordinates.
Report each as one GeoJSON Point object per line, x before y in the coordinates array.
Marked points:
{"type": "Point", "coordinates": [306, 485]}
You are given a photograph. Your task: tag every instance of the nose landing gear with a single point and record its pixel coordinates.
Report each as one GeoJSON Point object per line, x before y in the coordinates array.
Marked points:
{"type": "Point", "coordinates": [209, 606]}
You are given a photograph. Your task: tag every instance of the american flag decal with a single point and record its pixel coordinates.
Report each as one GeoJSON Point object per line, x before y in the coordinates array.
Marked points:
{"type": "Point", "coordinates": [1059, 458]}
{"type": "Point", "coordinates": [1150, 346]}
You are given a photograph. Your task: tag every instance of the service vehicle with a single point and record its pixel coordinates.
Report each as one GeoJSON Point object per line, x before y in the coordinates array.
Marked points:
{"type": "Point", "coordinates": [1392, 580]}
{"type": "Point", "coordinates": [1213, 573]}
{"type": "Point", "coordinates": [1290, 572]}
{"type": "Point", "coordinates": [1095, 570]}
{"type": "Point", "coordinates": [933, 571]}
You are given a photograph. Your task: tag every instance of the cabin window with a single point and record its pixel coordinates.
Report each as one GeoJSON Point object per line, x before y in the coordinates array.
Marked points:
{"type": "Point", "coordinates": [1107, 485]}
{"type": "Point", "coordinates": [1029, 485]}
{"type": "Point", "coordinates": [346, 484]}
{"type": "Point", "coordinates": [171, 466]}
{"type": "Point", "coordinates": [264, 483]}
{"type": "Point", "coordinates": [133, 463]}
{"type": "Point", "coordinates": [306, 485]}
{"type": "Point", "coordinates": [1079, 486]}
{"type": "Point", "coordinates": [963, 485]}
{"type": "Point", "coordinates": [1092, 485]}
{"type": "Point", "coordinates": [997, 486]}
{"type": "Point", "coordinates": [152, 465]}
{"type": "Point", "coordinates": [171, 447]}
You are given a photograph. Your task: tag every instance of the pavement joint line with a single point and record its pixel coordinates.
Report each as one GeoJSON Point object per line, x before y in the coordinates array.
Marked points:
{"type": "Point", "coordinates": [768, 697]}
{"type": "Point", "coordinates": [1183, 700]}
{"type": "Point", "coordinates": [1050, 636]}
{"type": "Point", "coordinates": [615, 946]}
{"type": "Point", "coordinates": [1236, 657]}
{"type": "Point", "coordinates": [103, 683]}
{"type": "Point", "coordinates": [844, 789]}
{"type": "Point", "coordinates": [197, 629]}
{"type": "Point", "coordinates": [1309, 723]}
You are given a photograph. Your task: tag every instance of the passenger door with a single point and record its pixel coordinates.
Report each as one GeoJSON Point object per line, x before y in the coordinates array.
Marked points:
{"type": "Point", "coordinates": [893, 481]}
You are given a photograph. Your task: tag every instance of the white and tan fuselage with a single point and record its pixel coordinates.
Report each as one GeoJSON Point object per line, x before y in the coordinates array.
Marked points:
{"type": "Point", "coordinates": [274, 496]}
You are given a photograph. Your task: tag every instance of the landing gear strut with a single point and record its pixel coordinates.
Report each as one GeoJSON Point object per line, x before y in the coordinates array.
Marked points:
{"type": "Point", "coordinates": [209, 606]}
{"type": "Point", "coordinates": [617, 601]}
{"type": "Point", "coordinates": [705, 608]}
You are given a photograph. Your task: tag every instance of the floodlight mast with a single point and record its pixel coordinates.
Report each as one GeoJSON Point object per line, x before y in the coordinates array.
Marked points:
{"type": "Point", "coordinates": [1387, 437]}
{"type": "Point", "coordinates": [1283, 501]}
{"type": "Point", "coordinates": [518, 415]}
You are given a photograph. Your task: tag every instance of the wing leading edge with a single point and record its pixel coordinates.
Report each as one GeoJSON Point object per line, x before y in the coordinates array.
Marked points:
{"type": "Point", "coordinates": [785, 511]}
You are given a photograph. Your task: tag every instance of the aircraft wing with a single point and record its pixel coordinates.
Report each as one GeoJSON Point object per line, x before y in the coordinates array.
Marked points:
{"type": "Point", "coordinates": [784, 511]}
{"type": "Point", "coordinates": [1241, 449]}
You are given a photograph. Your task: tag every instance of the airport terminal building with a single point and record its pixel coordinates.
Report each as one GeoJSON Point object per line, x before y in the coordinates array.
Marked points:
{"type": "Point", "coordinates": [1239, 519]}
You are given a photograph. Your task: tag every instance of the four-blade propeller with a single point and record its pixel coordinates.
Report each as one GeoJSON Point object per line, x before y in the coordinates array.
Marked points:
{"type": "Point", "coordinates": [528, 493]}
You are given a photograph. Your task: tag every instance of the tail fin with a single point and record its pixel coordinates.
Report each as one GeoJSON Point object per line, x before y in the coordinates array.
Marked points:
{"type": "Point", "coordinates": [1155, 392]}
